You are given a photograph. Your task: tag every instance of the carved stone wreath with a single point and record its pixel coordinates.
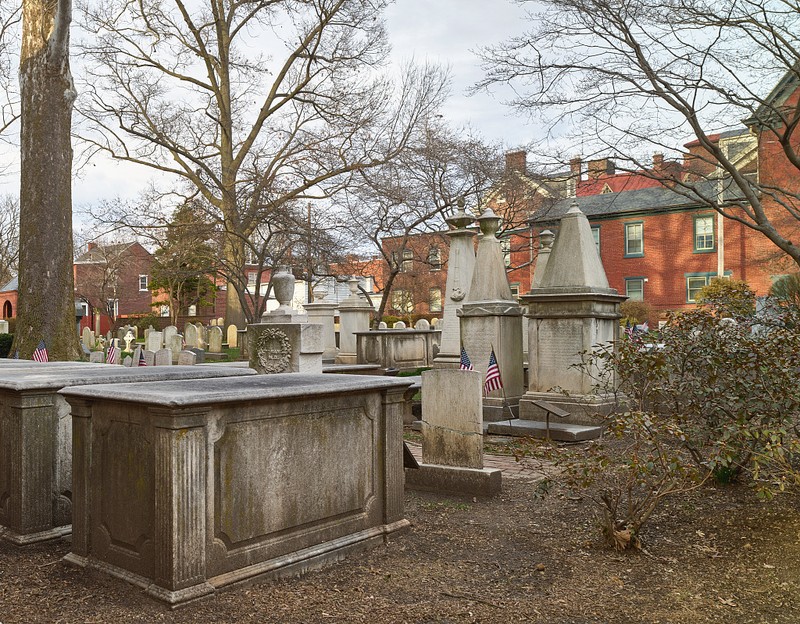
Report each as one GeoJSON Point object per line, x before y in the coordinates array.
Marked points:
{"type": "Point", "coordinates": [273, 351]}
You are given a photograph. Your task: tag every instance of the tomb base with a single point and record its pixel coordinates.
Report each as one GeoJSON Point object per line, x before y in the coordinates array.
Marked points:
{"type": "Point", "coordinates": [455, 480]}
{"type": "Point", "coordinates": [285, 347]}
{"type": "Point", "coordinates": [584, 409]}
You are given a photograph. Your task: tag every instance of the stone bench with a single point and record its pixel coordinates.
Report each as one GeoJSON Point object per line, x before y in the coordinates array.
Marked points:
{"type": "Point", "coordinates": [36, 439]}
{"type": "Point", "coordinates": [184, 487]}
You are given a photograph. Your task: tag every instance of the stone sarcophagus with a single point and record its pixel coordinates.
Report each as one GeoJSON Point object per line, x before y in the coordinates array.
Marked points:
{"type": "Point", "coordinates": [181, 488]}
{"type": "Point", "coordinates": [36, 439]}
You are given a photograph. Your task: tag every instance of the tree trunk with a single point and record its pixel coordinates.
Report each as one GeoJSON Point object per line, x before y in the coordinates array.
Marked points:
{"type": "Point", "coordinates": [46, 292]}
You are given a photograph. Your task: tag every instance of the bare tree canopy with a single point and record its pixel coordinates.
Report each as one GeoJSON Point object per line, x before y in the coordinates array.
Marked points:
{"type": "Point", "coordinates": [413, 193]}
{"type": "Point", "coordinates": [9, 238]}
{"type": "Point", "coordinates": [46, 306]}
{"type": "Point", "coordinates": [256, 106]}
{"type": "Point", "coordinates": [634, 75]}
{"type": "Point", "coordinates": [10, 18]}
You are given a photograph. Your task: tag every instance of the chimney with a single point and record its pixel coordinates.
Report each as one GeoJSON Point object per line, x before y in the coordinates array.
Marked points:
{"type": "Point", "coordinates": [658, 162]}
{"type": "Point", "coordinates": [516, 161]}
{"type": "Point", "coordinates": [90, 246]}
{"type": "Point", "coordinates": [601, 167]}
{"type": "Point", "coordinates": [575, 167]}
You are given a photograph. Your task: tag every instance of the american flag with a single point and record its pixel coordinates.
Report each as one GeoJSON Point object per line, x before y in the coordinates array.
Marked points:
{"type": "Point", "coordinates": [628, 328]}
{"type": "Point", "coordinates": [112, 357]}
{"type": "Point", "coordinates": [465, 363]}
{"type": "Point", "coordinates": [493, 381]}
{"type": "Point", "coordinates": [40, 354]}
{"type": "Point", "coordinates": [142, 361]}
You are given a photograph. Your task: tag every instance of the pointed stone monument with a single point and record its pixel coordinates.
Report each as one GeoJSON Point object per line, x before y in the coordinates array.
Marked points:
{"type": "Point", "coordinates": [460, 265]}
{"type": "Point", "coordinates": [572, 310]}
{"type": "Point", "coordinates": [492, 319]}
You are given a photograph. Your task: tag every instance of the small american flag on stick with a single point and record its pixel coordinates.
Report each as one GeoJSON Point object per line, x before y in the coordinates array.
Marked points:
{"type": "Point", "coordinates": [465, 362]}
{"type": "Point", "coordinates": [112, 355]}
{"type": "Point", "coordinates": [493, 381]}
{"type": "Point", "coordinates": [142, 361]}
{"type": "Point", "coordinates": [40, 354]}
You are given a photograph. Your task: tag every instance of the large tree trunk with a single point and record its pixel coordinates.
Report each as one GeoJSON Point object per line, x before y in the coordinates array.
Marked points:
{"type": "Point", "coordinates": [46, 293]}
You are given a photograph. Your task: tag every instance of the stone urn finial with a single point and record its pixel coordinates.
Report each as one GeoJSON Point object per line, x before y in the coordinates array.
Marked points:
{"type": "Point", "coordinates": [320, 292]}
{"type": "Point", "coordinates": [489, 223]}
{"type": "Point", "coordinates": [546, 238]}
{"type": "Point", "coordinates": [460, 219]}
{"type": "Point", "coordinates": [352, 284]}
{"type": "Point", "coordinates": [283, 287]}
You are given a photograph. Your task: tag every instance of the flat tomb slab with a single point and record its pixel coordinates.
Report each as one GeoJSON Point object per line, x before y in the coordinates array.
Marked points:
{"type": "Point", "coordinates": [455, 480]}
{"type": "Point", "coordinates": [203, 483]}
{"type": "Point", "coordinates": [561, 432]}
{"type": "Point", "coordinates": [36, 438]}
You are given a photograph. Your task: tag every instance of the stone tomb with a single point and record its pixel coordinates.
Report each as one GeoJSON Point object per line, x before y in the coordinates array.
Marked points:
{"type": "Point", "coordinates": [185, 487]}
{"type": "Point", "coordinates": [36, 439]}
{"type": "Point", "coordinates": [285, 347]}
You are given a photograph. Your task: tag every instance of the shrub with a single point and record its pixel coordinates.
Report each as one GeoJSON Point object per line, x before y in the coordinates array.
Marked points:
{"type": "Point", "coordinates": [727, 296]}
{"type": "Point", "coordinates": [786, 289]}
{"type": "Point", "coordinates": [717, 399]}
{"type": "Point", "coordinates": [636, 312]}
{"type": "Point", "coordinates": [5, 344]}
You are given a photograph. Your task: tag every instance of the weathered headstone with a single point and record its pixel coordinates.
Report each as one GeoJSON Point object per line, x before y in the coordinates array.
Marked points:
{"type": "Point", "coordinates": [169, 332]}
{"type": "Point", "coordinates": [176, 345]}
{"type": "Point", "coordinates": [399, 325]}
{"type": "Point", "coordinates": [3, 326]}
{"type": "Point", "coordinates": [97, 357]}
{"type": "Point", "coordinates": [87, 336]}
{"type": "Point", "coordinates": [200, 355]}
{"type": "Point", "coordinates": [149, 358]}
{"type": "Point", "coordinates": [187, 358]}
{"type": "Point", "coordinates": [202, 336]}
{"type": "Point", "coordinates": [163, 357]}
{"type": "Point", "coordinates": [128, 361]}
{"type": "Point", "coordinates": [190, 335]}
{"type": "Point", "coordinates": [153, 341]}
{"type": "Point", "coordinates": [220, 322]}
{"type": "Point", "coordinates": [382, 325]}
{"type": "Point", "coordinates": [215, 340]}
{"type": "Point", "coordinates": [233, 337]}
{"type": "Point", "coordinates": [422, 324]}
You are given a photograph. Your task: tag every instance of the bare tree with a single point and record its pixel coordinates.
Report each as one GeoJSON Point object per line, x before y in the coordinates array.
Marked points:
{"type": "Point", "coordinates": [10, 17]}
{"type": "Point", "coordinates": [9, 237]}
{"type": "Point", "coordinates": [255, 105]}
{"type": "Point", "coordinates": [635, 75]}
{"type": "Point", "coordinates": [46, 299]}
{"type": "Point", "coordinates": [412, 194]}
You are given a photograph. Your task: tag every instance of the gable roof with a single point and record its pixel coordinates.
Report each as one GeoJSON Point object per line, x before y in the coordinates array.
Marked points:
{"type": "Point", "coordinates": [11, 286]}
{"type": "Point", "coordinates": [101, 253]}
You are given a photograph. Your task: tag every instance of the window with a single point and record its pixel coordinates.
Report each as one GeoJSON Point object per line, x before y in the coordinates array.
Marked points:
{"type": "Point", "coordinates": [696, 281]}
{"type": "Point", "coordinates": [192, 311]}
{"type": "Point", "coordinates": [435, 298]}
{"type": "Point", "coordinates": [408, 261]}
{"type": "Point", "coordinates": [112, 307]}
{"type": "Point", "coordinates": [704, 233]}
{"type": "Point", "coordinates": [505, 247]}
{"type": "Point", "coordinates": [634, 239]}
{"type": "Point", "coordinates": [606, 190]}
{"type": "Point", "coordinates": [596, 236]}
{"type": "Point", "coordinates": [634, 288]}
{"type": "Point", "coordinates": [435, 259]}
{"type": "Point", "coordinates": [515, 290]}
{"type": "Point", "coordinates": [402, 301]}
{"type": "Point", "coordinates": [163, 310]}
{"type": "Point", "coordinates": [143, 282]}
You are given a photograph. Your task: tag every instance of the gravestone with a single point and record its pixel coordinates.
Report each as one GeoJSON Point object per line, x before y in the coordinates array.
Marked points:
{"type": "Point", "coordinates": [137, 352]}
{"type": "Point", "coordinates": [422, 324]}
{"type": "Point", "coordinates": [176, 345]}
{"type": "Point", "coordinates": [97, 357]}
{"type": "Point", "coordinates": [202, 336]}
{"type": "Point", "coordinates": [233, 337]}
{"type": "Point", "coordinates": [128, 361]}
{"type": "Point", "coordinates": [163, 357]}
{"type": "Point", "coordinates": [215, 340]}
{"type": "Point", "coordinates": [87, 337]}
{"type": "Point", "coordinates": [190, 335]}
{"type": "Point", "coordinates": [149, 358]}
{"type": "Point", "coordinates": [452, 435]}
{"type": "Point", "coordinates": [153, 341]}
{"type": "Point", "coordinates": [382, 325]}
{"type": "Point", "coordinates": [187, 358]}
{"type": "Point", "coordinates": [3, 327]}
{"type": "Point", "coordinates": [169, 332]}
{"type": "Point", "coordinates": [200, 355]}
{"type": "Point", "coordinates": [220, 322]}
{"type": "Point", "coordinates": [399, 325]}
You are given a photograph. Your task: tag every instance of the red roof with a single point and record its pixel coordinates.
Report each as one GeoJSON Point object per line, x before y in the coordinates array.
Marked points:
{"type": "Point", "coordinates": [617, 183]}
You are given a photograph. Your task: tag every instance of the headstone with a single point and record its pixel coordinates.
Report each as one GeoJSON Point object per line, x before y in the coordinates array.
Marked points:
{"type": "Point", "coordinates": [153, 341]}
{"type": "Point", "coordinates": [190, 335]}
{"type": "Point", "coordinates": [97, 357]}
{"type": "Point", "coordinates": [175, 345]}
{"type": "Point", "coordinates": [382, 325]}
{"type": "Point", "coordinates": [422, 324]}
{"type": "Point", "coordinates": [215, 340]}
{"type": "Point", "coordinates": [87, 335]}
{"type": "Point", "coordinates": [233, 337]}
{"type": "Point", "coordinates": [213, 322]}
{"type": "Point", "coordinates": [3, 326]}
{"type": "Point", "coordinates": [187, 358]}
{"type": "Point", "coordinates": [162, 357]}
{"type": "Point", "coordinates": [399, 325]}
{"type": "Point", "coordinates": [147, 333]}
{"type": "Point", "coordinates": [149, 358]}
{"type": "Point", "coordinates": [169, 332]}
{"type": "Point", "coordinates": [200, 355]}
{"type": "Point", "coordinates": [202, 336]}
{"type": "Point", "coordinates": [128, 361]}
{"type": "Point", "coordinates": [220, 322]}
{"type": "Point", "coordinates": [434, 321]}
{"type": "Point", "coordinates": [137, 352]}
{"type": "Point", "coordinates": [129, 339]}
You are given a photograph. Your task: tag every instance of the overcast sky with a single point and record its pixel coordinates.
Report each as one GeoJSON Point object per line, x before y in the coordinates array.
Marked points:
{"type": "Point", "coordinates": [443, 31]}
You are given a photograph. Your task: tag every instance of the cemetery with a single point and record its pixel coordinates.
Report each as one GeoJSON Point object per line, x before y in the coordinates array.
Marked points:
{"type": "Point", "coordinates": [280, 485]}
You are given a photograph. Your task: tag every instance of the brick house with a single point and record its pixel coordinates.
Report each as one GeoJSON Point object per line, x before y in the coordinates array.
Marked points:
{"type": "Point", "coordinates": [112, 281]}
{"type": "Point", "coordinates": [8, 299]}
